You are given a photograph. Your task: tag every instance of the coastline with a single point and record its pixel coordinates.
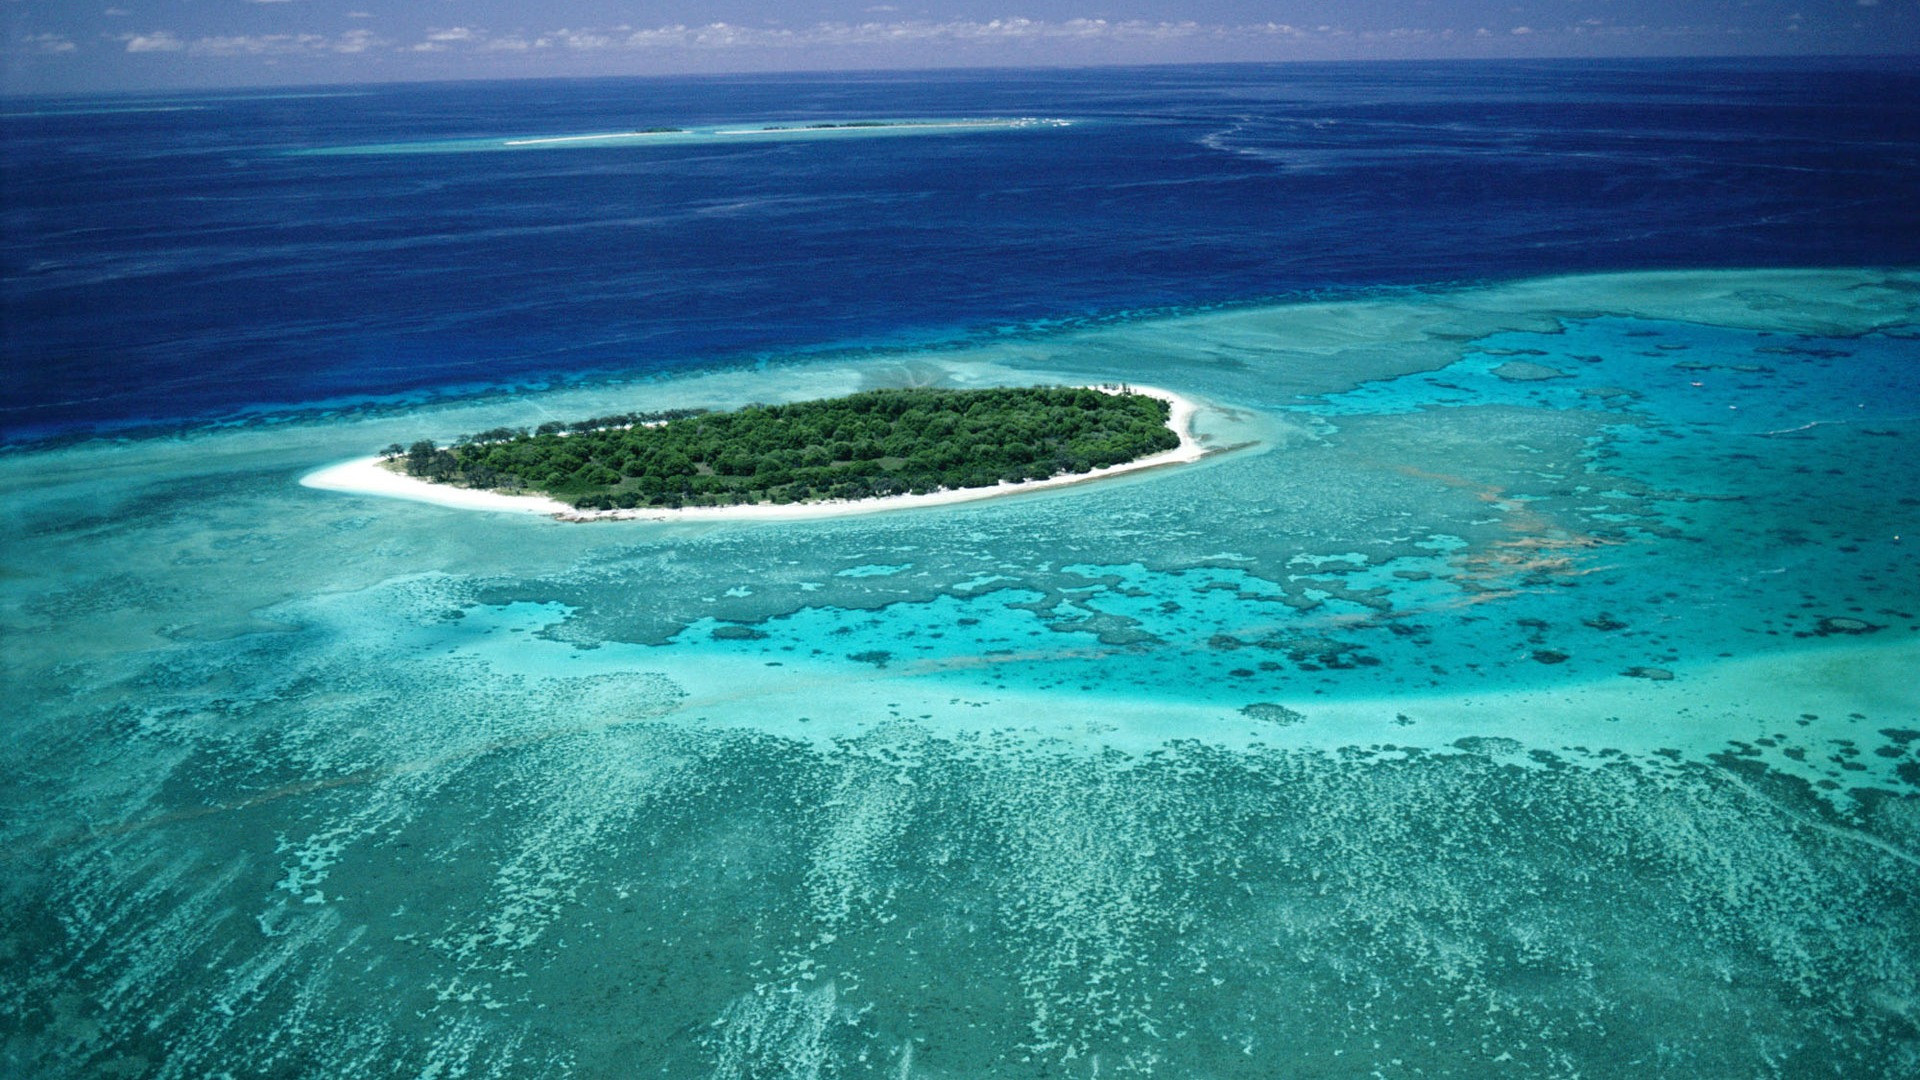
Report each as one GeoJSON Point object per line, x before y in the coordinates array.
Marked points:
{"type": "Point", "coordinates": [366, 476]}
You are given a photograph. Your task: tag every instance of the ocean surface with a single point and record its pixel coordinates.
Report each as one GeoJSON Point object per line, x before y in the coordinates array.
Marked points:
{"type": "Point", "coordinates": [1525, 686]}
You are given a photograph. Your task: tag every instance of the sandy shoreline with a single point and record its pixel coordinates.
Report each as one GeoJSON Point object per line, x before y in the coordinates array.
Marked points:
{"type": "Point", "coordinates": [934, 125]}
{"type": "Point", "coordinates": [588, 138]}
{"type": "Point", "coordinates": [365, 476]}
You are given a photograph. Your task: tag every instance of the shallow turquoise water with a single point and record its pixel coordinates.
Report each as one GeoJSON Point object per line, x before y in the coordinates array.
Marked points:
{"type": "Point", "coordinates": [1319, 757]}
{"type": "Point", "coordinates": [807, 131]}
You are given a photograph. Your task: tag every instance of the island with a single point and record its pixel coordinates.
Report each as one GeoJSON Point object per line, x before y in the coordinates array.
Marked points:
{"type": "Point", "coordinates": [866, 445]}
{"type": "Point", "coordinates": [872, 450]}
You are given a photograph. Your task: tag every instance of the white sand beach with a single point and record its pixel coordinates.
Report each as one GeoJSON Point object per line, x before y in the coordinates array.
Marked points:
{"type": "Point", "coordinates": [588, 138]}
{"type": "Point", "coordinates": [368, 476]}
{"type": "Point", "coordinates": [883, 128]}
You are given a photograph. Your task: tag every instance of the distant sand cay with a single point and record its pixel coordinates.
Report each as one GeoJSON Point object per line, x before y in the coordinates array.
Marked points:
{"type": "Point", "coordinates": [367, 476]}
{"type": "Point", "coordinates": [586, 138]}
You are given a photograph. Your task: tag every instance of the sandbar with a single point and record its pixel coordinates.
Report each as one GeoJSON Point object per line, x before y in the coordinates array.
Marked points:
{"type": "Point", "coordinates": [853, 128]}
{"type": "Point", "coordinates": [368, 476]}
{"type": "Point", "coordinates": [589, 138]}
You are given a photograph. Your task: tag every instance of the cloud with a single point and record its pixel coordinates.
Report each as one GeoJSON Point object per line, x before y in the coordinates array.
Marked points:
{"type": "Point", "coordinates": [116, 12]}
{"type": "Point", "coordinates": [1076, 37]}
{"type": "Point", "coordinates": [354, 41]}
{"type": "Point", "coordinates": [158, 41]}
{"type": "Point", "coordinates": [882, 39]}
{"type": "Point", "coordinates": [256, 44]}
{"type": "Point", "coordinates": [955, 32]}
{"type": "Point", "coordinates": [962, 33]}
{"type": "Point", "coordinates": [48, 44]}
{"type": "Point", "coordinates": [442, 39]}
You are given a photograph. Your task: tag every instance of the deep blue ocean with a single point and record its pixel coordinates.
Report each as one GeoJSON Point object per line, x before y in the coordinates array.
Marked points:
{"type": "Point", "coordinates": [1521, 684]}
{"type": "Point", "coordinates": [179, 258]}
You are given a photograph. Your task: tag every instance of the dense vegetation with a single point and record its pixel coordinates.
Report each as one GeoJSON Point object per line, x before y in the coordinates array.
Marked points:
{"type": "Point", "coordinates": [880, 442]}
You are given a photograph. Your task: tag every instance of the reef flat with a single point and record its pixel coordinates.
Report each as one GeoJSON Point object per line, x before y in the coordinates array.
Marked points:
{"type": "Point", "coordinates": [1457, 722]}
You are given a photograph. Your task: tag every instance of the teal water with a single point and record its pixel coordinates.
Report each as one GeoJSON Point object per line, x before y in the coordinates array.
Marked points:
{"type": "Point", "coordinates": [1524, 685]}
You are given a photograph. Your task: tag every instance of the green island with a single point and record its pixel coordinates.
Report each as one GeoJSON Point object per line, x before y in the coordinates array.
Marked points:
{"type": "Point", "coordinates": [866, 445]}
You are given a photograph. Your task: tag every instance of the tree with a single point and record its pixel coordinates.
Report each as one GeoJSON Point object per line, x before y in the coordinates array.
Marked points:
{"type": "Point", "coordinates": [419, 456]}
{"type": "Point", "coordinates": [870, 443]}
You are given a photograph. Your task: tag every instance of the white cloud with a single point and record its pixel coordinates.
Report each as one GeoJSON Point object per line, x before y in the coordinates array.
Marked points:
{"type": "Point", "coordinates": [257, 44]}
{"type": "Point", "coordinates": [356, 41]}
{"type": "Point", "coordinates": [359, 14]}
{"type": "Point", "coordinates": [443, 39]}
{"type": "Point", "coordinates": [722, 35]}
{"type": "Point", "coordinates": [1139, 36]}
{"type": "Point", "coordinates": [158, 41]}
{"type": "Point", "coordinates": [871, 40]}
{"type": "Point", "coordinates": [561, 39]}
{"type": "Point", "coordinates": [49, 44]}
{"type": "Point", "coordinates": [116, 12]}
{"type": "Point", "coordinates": [956, 32]}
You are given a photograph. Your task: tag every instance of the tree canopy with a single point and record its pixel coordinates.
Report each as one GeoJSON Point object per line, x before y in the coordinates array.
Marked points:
{"type": "Point", "coordinates": [865, 445]}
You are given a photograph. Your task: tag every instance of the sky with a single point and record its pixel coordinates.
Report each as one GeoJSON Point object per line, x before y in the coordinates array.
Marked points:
{"type": "Point", "coordinates": [62, 46]}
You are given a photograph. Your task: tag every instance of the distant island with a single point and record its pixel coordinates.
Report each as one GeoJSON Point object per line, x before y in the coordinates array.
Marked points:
{"type": "Point", "coordinates": [870, 445]}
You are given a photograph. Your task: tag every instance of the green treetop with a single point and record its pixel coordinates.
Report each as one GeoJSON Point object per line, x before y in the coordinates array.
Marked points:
{"type": "Point", "coordinates": [865, 445]}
